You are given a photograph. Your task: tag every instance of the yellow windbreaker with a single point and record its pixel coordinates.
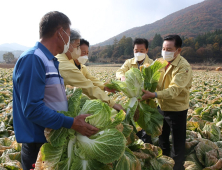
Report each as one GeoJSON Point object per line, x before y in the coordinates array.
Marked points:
{"type": "Point", "coordinates": [95, 81]}
{"type": "Point", "coordinates": [129, 64]}
{"type": "Point", "coordinates": [73, 76]}
{"type": "Point", "coordinates": [174, 86]}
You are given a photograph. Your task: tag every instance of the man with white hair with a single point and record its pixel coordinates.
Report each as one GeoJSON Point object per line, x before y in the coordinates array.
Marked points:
{"type": "Point", "coordinates": [73, 76]}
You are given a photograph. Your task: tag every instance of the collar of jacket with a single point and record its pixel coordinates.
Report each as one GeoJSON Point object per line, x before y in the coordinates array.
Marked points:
{"type": "Point", "coordinates": [47, 53]}
{"type": "Point", "coordinates": [63, 57]}
{"type": "Point", "coordinates": [176, 61]}
{"type": "Point", "coordinates": [146, 60]}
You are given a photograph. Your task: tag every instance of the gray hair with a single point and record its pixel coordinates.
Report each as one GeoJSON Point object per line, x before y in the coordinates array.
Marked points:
{"type": "Point", "coordinates": [74, 35]}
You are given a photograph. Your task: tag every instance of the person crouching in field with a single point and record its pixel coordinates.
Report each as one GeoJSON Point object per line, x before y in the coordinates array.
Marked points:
{"type": "Point", "coordinates": [74, 77]}
{"type": "Point", "coordinates": [173, 98]}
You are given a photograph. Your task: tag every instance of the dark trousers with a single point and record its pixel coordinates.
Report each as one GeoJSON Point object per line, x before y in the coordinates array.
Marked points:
{"type": "Point", "coordinates": [174, 123]}
{"type": "Point", "coordinates": [29, 154]}
{"type": "Point", "coordinates": [144, 137]}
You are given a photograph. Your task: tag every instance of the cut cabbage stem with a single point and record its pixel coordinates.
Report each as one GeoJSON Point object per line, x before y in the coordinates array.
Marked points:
{"type": "Point", "coordinates": [70, 150]}
{"type": "Point", "coordinates": [132, 102]}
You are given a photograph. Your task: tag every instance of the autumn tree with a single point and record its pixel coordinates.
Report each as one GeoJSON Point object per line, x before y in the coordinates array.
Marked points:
{"type": "Point", "coordinates": [157, 41]}
{"type": "Point", "coordinates": [8, 57]}
{"type": "Point", "coordinates": [188, 53]}
{"type": "Point", "coordinates": [216, 47]}
{"type": "Point", "coordinates": [128, 46]}
{"type": "Point", "coordinates": [197, 46]}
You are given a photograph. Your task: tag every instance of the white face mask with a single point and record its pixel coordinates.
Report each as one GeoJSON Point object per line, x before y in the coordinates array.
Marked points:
{"type": "Point", "coordinates": [83, 59]}
{"type": "Point", "coordinates": [75, 53]}
{"type": "Point", "coordinates": [139, 56]}
{"type": "Point", "coordinates": [66, 46]}
{"type": "Point", "coordinates": [168, 56]}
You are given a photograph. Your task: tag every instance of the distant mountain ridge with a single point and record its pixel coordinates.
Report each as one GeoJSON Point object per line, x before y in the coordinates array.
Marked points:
{"type": "Point", "coordinates": [189, 22]}
{"type": "Point", "coordinates": [13, 47]}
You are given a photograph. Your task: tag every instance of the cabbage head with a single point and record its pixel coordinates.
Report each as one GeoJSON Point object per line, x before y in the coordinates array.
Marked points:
{"type": "Point", "coordinates": [67, 149]}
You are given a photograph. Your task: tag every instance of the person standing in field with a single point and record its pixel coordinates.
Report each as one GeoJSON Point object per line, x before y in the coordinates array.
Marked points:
{"type": "Point", "coordinates": [140, 58]}
{"type": "Point", "coordinates": [75, 78]}
{"type": "Point", "coordinates": [173, 98]}
{"type": "Point", "coordinates": [39, 92]}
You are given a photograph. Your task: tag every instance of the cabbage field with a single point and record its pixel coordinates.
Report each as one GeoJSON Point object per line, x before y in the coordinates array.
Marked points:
{"type": "Point", "coordinates": [203, 141]}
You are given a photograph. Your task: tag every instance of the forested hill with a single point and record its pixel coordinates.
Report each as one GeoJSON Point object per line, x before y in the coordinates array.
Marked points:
{"type": "Point", "coordinates": [189, 22]}
{"type": "Point", "coordinates": [205, 48]}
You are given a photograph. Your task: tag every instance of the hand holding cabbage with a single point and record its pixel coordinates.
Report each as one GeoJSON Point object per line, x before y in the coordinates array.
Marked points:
{"type": "Point", "coordinates": [79, 125]}
{"type": "Point", "coordinates": [136, 82]}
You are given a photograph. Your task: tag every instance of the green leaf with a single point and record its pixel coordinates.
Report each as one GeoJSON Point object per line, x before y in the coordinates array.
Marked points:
{"type": "Point", "coordinates": [128, 161]}
{"type": "Point", "coordinates": [162, 162]}
{"type": "Point", "coordinates": [198, 110]}
{"type": "Point", "coordinates": [152, 74]}
{"type": "Point", "coordinates": [56, 137]}
{"type": "Point", "coordinates": [51, 155]}
{"type": "Point", "coordinates": [131, 107]}
{"type": "Point", "coordinates": [133, 85]}
{"type": "Point", "coordinates": [101, 113]}
{"type": "Point", "coordinates": [217, 166]}
{"type": "Point", "coordinates": [106, 146]}
{"type": "Point", "coordinates": [211, 157]}
{"type": "Point", "coordinates": [189, 145]}
{"type": "Point", "coordinates": [118, 118]}
{"type": "Point", "coordinates": [150, 120]}
{"type": "Point", "coordinates": [202, 148]}
{"type": "Point", "coordinates": [211, 132]}
{"type": "Point", "coordinates": [90, 164]}
{"type": "Point", "coordinates": [153, 151]}
{"type": "Point", "coordinates": [63, 165]}
{"type": "Point", "coordinates": [193, 126]}
{"type": "Point", "coordinates": [190, 165]}
{"type": "Point", "coordinates": [10, 155]}
{"type": "Point", "coordinates": [74, 102]}
{"type": "Point", "coordinates": [193, 162]}
{"type": "Point", "coordinates": [83, 100]}
{"type": "Point", "coordinates": [127, 129]}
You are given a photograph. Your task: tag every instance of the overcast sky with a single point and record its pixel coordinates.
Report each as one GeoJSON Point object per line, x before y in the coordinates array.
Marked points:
{"type": "Point", "coordinates": [97, 20]}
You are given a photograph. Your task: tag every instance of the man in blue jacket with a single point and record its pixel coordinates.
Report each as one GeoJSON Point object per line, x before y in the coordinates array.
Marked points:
{"type": "Point", "coordinates": [38, 90]}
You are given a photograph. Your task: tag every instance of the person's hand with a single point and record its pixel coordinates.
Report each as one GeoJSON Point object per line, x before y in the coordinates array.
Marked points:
{"type": "Point", "coordinates": [82, 127]}
{"type": "Point", "coordinates": [118, 107]}
{"type": "Point", "coordinates": [109, 90]}
{"type": "Point", "coordinates": [123, 78]}
{"type": "Point", "coordinates": [147, 95]}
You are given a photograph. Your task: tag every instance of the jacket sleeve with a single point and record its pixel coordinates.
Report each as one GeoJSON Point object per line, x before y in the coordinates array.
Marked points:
{"type": "Point", "coordinates": [72, 76]}
{"type": "Point", "coordinates": [94, 80]}
{"type": "Point", "coordinates": [150, 61]}
{"type": "Point", "coordinates": [29, 81]}
{"type": "Point", "coordinates": [178, 83]}
{"type": "Point", "coordinates": [121, 71]}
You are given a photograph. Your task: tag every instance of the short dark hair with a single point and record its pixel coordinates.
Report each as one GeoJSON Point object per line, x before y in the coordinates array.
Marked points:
{"type": "Point", "coordinates": [51, 21]}
{"type": "Point", "coordinates": [83, 41]}
{"type": "Point", "coordinates": [176, 38]}
{"type": "Point", "coordinates": [141, 41]}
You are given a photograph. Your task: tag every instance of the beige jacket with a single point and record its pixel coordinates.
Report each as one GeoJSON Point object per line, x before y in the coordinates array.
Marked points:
{"type": "Point", "coordinates": [74, 77]}
{"type": "Point", "coordinates": [174, 86]}
{"type": "Point", "coordinates": [95, 81]}
{"type": "Point", "coordinates": [129, 64]}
